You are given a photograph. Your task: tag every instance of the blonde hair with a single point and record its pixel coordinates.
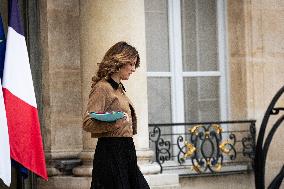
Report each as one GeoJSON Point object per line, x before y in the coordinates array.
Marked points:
{"type": "Point", "coordinates": [117, 56]}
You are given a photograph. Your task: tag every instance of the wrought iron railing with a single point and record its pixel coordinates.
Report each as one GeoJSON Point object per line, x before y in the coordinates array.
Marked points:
{"type": "Point", "coordinates": [204, 147]}
{"type": "Point", "coordinates": [275, 114]}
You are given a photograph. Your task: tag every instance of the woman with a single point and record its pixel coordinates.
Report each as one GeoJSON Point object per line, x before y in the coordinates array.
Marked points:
{"type": "Point", "coordinates": [115, 161]}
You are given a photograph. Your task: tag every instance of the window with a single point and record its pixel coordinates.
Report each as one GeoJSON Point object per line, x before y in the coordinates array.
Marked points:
{"type": "Point", "coordinates": [186, 62]}
{"type": "Point", "coordinates": [186, 70]}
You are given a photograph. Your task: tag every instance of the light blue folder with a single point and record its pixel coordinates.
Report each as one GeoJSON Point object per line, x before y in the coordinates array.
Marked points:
{"type": "Point", "coordinates": [107, 116]}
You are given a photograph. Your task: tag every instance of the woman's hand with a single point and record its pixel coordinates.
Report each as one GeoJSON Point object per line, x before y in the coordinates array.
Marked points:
{"type": "Point", "coordinates": [119, 123]}
{"type": "Point", "coordinates": [126, 117]}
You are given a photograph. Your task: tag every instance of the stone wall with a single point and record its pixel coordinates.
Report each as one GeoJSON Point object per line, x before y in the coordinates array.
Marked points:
{"type": "Point", "coordinates": [256, 52]}
{"type": "Point", "coordinates": [265, 70]}
{"type": "Point", "coordinates": [237, 181]}
{"type": "Point", "coordinates": [256, 67]}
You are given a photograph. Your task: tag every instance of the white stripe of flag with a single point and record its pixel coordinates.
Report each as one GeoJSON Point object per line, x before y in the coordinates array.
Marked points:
{"type": "Point", "coordinates": [17, 77]}
{"type": "Point", "coordinates": [5, 161]}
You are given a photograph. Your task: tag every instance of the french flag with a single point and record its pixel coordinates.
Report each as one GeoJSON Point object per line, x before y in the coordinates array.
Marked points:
{"type": "Point", "coordinates": [21, 109]}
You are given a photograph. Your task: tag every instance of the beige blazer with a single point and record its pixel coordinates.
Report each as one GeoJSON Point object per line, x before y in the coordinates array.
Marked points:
{"type": "Point", "coordinates": [105, 98]}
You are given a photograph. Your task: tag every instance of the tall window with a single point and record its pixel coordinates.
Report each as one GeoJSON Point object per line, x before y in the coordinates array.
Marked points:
{"type": "Point", "coordinates": [186, 47]}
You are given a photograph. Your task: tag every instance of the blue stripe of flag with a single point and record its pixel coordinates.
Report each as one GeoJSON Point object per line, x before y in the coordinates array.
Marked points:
{"type": "Point", "coordinates": [2, 47]}
{"type": "Point", "coordinates": [14, 21]}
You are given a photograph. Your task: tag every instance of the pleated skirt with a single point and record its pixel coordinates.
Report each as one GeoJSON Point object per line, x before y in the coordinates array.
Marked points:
{"type": "Point", "coordinates": [115, 165]}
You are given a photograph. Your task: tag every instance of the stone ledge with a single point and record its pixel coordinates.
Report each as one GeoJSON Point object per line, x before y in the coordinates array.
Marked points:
{"type": "Point", "coordinates": [165, 181]}
{"type": "Point", "coordinates": [65, 182]}
{"type": "Point", "coordinates": [149, 168]}
{"type": "Point", "coordinates": [159, 181]}
{"type": "Point", "coordinates": [167, 187]}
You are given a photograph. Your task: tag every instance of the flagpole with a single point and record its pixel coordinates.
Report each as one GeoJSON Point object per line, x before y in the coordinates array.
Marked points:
{"type": "Point", "coordinates": [20, 180]}
{"type": "Point", "coordinates": [33, 181]}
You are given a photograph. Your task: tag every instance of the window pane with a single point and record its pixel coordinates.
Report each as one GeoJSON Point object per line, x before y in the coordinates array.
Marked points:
{"type": "Point", "coordinates": [201, 99]}
{"type": "Point", "coordinates": [199, 30]}
{"type": "Point", "coordinates": [157, 35]}
{"type": "Point", "coordinates": [159, 100]}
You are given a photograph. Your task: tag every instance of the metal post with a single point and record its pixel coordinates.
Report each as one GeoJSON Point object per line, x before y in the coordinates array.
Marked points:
{"type": "Point", "coordinates": [20, 180]}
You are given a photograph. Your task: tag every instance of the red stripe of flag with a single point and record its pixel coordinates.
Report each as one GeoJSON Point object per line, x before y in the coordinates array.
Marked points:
{"type": "Point", "coordinates": [24, 133]}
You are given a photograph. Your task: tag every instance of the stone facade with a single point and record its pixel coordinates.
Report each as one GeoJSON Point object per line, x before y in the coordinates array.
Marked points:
{"type": "Point", "coordinates": [61, 78]}
{"type": "Point", "coordinates": [74, 35]}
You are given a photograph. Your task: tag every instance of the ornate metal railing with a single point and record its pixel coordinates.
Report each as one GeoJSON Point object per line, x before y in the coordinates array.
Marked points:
{"type": "Point", "coordinates": [262, 146]}
{"type": "Point", "coordinates": [204, 147]}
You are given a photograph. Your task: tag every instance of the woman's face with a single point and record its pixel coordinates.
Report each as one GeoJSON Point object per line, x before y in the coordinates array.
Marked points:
{"type": "Point", "coordinates": [126, 70]}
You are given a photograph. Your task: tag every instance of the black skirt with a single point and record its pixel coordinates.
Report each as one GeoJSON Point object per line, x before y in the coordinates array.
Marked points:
{"type": "Point", "coordinates": [115, 165]}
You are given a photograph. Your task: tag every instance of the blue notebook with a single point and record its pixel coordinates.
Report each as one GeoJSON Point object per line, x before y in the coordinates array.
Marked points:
{"type": "Point", "coordinates": [107, 116]}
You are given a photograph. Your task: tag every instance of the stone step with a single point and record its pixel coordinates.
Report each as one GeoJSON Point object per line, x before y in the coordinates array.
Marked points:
{"type": "Point", "coordinates": [163, 181]}
{"type": "Point", "coordinates": [157, 181]}
{"type": "Point", "coordinates": [166, 187]}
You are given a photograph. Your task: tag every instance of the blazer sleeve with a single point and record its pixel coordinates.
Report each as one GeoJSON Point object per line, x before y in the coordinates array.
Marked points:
{"type": "Point", "coordinates": [98, 102]}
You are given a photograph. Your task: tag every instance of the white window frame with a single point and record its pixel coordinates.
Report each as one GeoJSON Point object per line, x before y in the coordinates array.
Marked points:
{"type": "Point", "coordinates": [176, 73]}
{"type": "Point", "coordinates": [175, 41]}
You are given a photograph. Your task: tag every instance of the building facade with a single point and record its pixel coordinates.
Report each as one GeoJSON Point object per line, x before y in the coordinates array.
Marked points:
{"type": "Point", "coordinates": [201, 60]}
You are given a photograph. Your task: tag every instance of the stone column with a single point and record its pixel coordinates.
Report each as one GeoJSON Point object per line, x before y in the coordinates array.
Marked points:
{"type": "Point", "coordinates": [103, 23]}
{"type": "Point", "coordinates": [61, 81]}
